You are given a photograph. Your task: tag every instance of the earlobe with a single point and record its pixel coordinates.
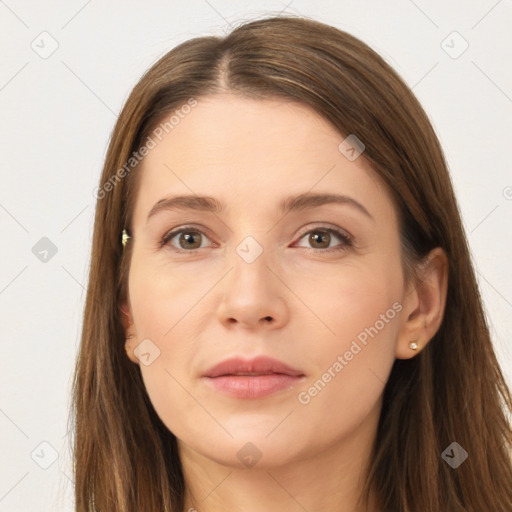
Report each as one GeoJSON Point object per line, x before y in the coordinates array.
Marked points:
{"type": "Point", "coordinates": [413, 345]}
{"type": "Point", "coordinates": [424, 305]}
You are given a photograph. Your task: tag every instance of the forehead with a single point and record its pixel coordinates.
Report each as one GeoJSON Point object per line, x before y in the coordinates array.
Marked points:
{"type": "Point", "coordinates": [255, 151]}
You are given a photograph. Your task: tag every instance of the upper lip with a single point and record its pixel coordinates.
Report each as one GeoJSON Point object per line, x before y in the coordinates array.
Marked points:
{"type": "Point", "coordinates": [261, 365]}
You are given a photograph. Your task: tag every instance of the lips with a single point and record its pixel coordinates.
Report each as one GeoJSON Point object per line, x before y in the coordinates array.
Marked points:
{"type": "Point", "coordinates": [254, 378]}
{"type": "Point", "coordinates": [253, 367]}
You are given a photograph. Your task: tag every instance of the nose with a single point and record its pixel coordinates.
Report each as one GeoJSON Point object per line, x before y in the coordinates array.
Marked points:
{"type": "Point", "coordinates": [253, 296]}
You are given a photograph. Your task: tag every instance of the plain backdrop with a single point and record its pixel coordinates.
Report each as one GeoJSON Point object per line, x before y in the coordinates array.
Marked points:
{"type": "Point", "coordinates": [66, 70]}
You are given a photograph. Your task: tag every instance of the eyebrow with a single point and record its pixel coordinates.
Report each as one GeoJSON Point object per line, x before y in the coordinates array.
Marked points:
{"type": "Point", "coordinates": [300, 202]}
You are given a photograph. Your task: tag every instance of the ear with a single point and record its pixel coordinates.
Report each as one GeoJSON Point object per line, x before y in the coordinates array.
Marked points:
{"type": "Point", "coordinates": [126, 315]}
{"type": "Point", "coordinates": [130, 334]}
{"type": "Point", "coordinates": [424, 304]}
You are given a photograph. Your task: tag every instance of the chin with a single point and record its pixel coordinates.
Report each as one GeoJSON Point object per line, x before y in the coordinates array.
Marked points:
{"type": "Point", "coordinates": [249, 449]}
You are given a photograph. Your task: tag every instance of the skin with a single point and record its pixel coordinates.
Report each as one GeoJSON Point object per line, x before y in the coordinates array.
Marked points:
{"type": "Point", "coordinates": [203, 307]}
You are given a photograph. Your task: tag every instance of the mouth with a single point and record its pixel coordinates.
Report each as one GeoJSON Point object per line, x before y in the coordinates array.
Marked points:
{"type": "Point", "coordinates": [254, 378]}
{"type": "Point", "coordinates": [250, 374]}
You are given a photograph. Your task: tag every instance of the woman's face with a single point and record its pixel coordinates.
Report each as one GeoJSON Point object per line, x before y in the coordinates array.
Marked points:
{"type": "Point", "coordinates": [316, 285]}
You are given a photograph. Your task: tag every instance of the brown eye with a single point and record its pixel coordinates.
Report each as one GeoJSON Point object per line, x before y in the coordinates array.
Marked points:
{"type": "Point", "coordinates": [185, 240]}
{"type": "Point", "coordinates": [190, 240]}
{"type": "Point", "coordinates": [326, 240]}
{"type": "Point", "coordinates": [319, 239]}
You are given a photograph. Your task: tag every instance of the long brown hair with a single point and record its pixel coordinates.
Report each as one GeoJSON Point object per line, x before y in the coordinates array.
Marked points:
{"type": "Point", "coordinates": [125, 459]}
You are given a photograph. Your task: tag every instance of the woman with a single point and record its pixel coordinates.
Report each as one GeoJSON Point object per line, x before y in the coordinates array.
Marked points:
{"type": "Point", "coordinates": [282, 313]}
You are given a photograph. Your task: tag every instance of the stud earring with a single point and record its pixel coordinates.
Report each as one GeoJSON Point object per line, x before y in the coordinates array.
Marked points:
{"type": "Point", "coordinates": [413, 345]}
{"type": "Point", "coordinates": [125, 237]}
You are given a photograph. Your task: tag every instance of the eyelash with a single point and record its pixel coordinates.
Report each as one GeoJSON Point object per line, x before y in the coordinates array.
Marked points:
{"type": "Point", "coordinates": [347, 240]}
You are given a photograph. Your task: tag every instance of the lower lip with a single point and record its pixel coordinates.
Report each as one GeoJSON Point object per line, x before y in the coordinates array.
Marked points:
{"type": "Point", "coordinates": [245, 386]}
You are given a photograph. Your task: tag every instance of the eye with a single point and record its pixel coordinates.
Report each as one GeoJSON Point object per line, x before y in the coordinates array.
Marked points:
{"type": "Point", "coordinates": [321, 238]}
{"type": "Point", "coordinates": [187, 239]}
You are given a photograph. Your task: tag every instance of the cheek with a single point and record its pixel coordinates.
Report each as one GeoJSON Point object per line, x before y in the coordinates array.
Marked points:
{"type": "Point", "coordinates": [352, 301]}
{"type": "Point", "coordinates": [353, 353]}
{"type": "Point", "coordinates": [161, 299]}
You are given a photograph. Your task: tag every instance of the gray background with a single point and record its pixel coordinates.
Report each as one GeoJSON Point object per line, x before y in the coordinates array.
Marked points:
{"type": "Point", "coordinates": [57, 113]}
